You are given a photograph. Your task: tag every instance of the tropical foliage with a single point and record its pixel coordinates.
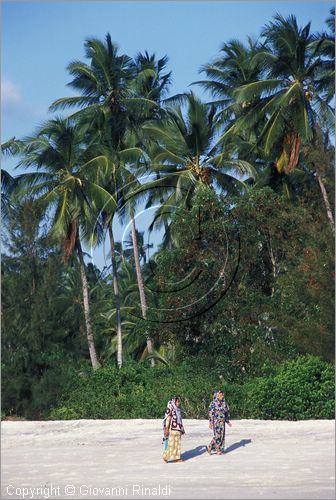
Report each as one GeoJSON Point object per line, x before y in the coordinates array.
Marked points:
{"type": "Point", "coordinates": [237, 275]}
{"type": "Point", "coordinates": [297, 390]}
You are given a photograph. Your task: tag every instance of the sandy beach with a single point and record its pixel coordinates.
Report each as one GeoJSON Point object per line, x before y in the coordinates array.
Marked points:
{"type": "Point", "coordinates": [122, 459]}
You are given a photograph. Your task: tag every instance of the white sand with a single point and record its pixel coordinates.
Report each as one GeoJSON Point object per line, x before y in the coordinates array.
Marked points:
{"type": "Point", "coordinates": [265, 459]}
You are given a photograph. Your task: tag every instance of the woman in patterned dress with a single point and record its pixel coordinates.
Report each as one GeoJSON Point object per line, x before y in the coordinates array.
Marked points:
{"type": "Point", "coordinates": [172, 430]}
{"type": "Point", "coordinates": [218, 416]}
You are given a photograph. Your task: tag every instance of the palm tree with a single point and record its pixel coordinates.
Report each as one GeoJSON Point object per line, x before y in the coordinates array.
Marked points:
{"type": "Point", "coordinates": [286, 98]}
{"type": "Point", "coordinates": [324, 46]}
{"type": "Point", "coordinates": [127, 203]}
{"type": "Point", "coordinates": [319, 154]}
{"type": "Point", "coordinates": [61, 184]}
{"type": "Point", "coordinates": [152, 84]}
{"type": "Point", "coordinates": [149, 85]}
{"type": "Point", "coordinates": [107, 88]}
{"type": "Point", "coordinates": [104, 89]}
{"type": "Point", "coordinates": [108, 180]}
{"type": "Point", "coordinates": [115, 174]}
{"type": "Point", "coordinates": [238, 64]}
{"type": "Point", "coordinates": [12, 147]}
{"type": "Point", "coordinates": [154, 87]}
{"type": "Point", "coordinates": [294, 97]}
{"type": "Point", "coordinates": [187, 153]}
{"type": "Point", "coordinates": [110, 102]}
{"type": "Point", "coordinates": [7, 186]}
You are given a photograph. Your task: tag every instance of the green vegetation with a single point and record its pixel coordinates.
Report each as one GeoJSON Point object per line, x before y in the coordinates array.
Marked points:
{"type": "Point", "coordinates": [298, 389]}
{"type": "Point", "coordinates": [240, 291]}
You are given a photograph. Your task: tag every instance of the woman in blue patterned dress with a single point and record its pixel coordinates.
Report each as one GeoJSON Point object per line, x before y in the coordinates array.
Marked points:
{"type": "Point", "coordinates": [218, 416]}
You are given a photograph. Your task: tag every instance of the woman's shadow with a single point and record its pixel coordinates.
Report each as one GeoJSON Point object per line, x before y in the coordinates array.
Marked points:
{"type": "Point", "coordinates": [199, 450]}
{"type": "Point", "coordinates": [239, 444]}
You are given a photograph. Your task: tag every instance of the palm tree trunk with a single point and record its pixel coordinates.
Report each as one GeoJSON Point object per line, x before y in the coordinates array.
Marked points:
{"type": "Point", "coordinates": [140, 280]}
{"type": "Point", "coordinates": [273, 262]}
{"type": "Point", "coordinates": [116, 295]}
{"type": "Point", "coordinates": [85, 289]}
{"type": "Point", "coordinates": [166, 225]}
{"type": "Point", "coordinates": [326, 201]}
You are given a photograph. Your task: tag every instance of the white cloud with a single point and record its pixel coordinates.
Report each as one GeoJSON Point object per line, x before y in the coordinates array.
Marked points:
{"type": "Point", "coordinates": [10, 93]}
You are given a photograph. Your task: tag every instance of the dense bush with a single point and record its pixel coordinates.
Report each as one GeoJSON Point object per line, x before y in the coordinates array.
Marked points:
{"type": "Point", "coordinates": [300, 389]}
{"type": "Point", "coordinates": [135, 391]}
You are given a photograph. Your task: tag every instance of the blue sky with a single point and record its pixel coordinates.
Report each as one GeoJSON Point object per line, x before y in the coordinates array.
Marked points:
{"type": "Point", "coordinates": [40, 39]}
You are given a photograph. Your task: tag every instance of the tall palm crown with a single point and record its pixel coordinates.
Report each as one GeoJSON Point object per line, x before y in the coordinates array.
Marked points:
{"type": "Point", "coordinates": [103, 80]}
{"type": "Point", "coordinates": [153, 86]}
{"type": "Point", "coordinates": [324, 44]}
{"type": "Point", "coordinates": [62, 181]}
{"type": "Point", "coordinates": [117, 95]}
{"type": "Point", "coordinates": [237, 65]}
{"type": "Point", "coordinates": [150, 86]}
{"type": "Point", "coordinates": [287, 96]}
{"type": "Point", "coordinates": [107, 87]}
{"type": "Point", "coordinates": [186, 153]}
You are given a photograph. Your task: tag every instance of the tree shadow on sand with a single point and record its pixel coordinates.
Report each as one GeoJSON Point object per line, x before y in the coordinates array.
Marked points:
{"type": "Point", "coordinates": [199, 450]}
{"type": "Point", "coordinates": [239, 444]}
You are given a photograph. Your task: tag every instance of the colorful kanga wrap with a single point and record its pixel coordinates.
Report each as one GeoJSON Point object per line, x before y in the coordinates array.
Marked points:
{"type": "Point", "coordinates": [219, 414]}
{"type": "Point", "coordinates": [173, 429]}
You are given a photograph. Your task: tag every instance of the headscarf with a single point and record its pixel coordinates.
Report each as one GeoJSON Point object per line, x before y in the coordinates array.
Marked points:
{"type": "Point", "coordinates": [173, 411]}
{"type": "Point", "coordinates": [215, 395]}
{"type": "Point", "coordinates": [218, 407]}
